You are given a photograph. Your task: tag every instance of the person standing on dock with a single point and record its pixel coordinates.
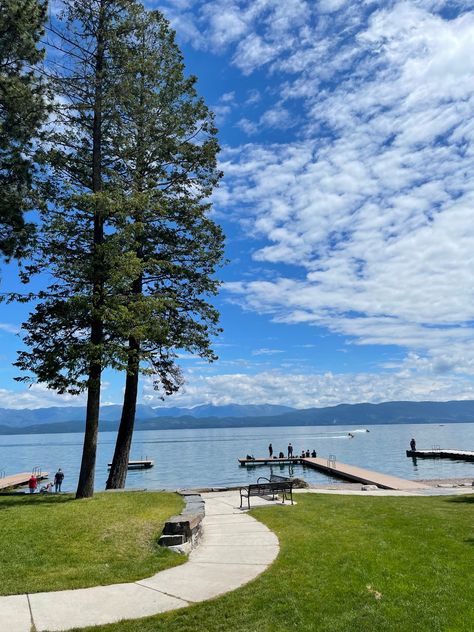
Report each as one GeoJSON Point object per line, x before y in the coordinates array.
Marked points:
{"type": "Point", "coordinates": [413, 445]}
{"type": "Point", "coordinates": [290, 451]}
{"type": "Point", "coordinates": [32, 484]}
{"type": "Point", "coordinates": [270, 450]}
{"type": "Point", "coordinates": [58, 480]}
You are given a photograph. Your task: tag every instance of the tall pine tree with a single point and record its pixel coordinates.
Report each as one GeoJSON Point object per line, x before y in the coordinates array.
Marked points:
{"type": "Point", "coordinates": [129, 166]}
{"type": "Point", "coordinates": [22, 111]}
{"type": "Point", "coordinates": [67, 333]}
{"type": "Point", "coordinates": [165, 147]}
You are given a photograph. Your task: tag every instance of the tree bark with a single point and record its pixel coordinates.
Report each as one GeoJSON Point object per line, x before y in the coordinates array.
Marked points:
{"type": "Point", "coordinates": [85, 487]}
{"type": "Point", "coordinates": [118, 471]}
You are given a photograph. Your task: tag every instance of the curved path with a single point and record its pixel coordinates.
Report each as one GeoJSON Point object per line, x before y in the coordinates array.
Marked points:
{"type": "Point", "coordinates": [233, 550]}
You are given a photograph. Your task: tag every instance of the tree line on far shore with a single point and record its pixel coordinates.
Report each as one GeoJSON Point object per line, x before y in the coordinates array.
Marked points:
{"type": "Point", "coordinates": [108, 158]}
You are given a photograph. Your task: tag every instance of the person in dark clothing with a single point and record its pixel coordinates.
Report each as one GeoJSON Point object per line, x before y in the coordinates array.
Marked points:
{"type": "Point", "coordinates": [313, 454]}
{"type": "Point", "coordinates": [413, 445]}
{"type": "Point", "coordinates": [290, 450]}
{"type": "Point", "coordinates": [58, 480]}
{"type": "Point", "coordinates": [270, 450]}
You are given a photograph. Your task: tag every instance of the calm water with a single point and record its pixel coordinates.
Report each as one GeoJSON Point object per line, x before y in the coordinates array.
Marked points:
{"type": "Point", "coordinates": [201, 458]}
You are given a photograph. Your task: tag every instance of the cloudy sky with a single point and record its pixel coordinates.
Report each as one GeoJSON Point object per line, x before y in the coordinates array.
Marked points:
{"type": "Point", "coordinates": [348, 203]}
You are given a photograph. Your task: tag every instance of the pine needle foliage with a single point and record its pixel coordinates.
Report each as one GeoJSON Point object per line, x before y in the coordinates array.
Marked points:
{"type": "Point", "coordinates": [125, 236]}
{"type": "Point", "coordinates": [22, 111]}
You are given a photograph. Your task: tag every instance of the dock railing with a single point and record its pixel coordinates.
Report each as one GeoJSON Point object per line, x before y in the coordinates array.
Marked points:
{"type": "Point", "coordinates": [2, 474]}
{"type": "Point", "coordinates": [436, 448]}
{"type": "Point", "coordinates": [331, 462]}
{"type": "Point", "coordinates": [36, 470]}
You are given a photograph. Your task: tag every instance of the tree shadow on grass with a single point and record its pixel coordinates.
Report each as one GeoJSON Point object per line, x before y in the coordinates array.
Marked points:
{"type": "Point", "coordinates": [28, 500]}
{"type": "Point", "coordinates": [469, 499]}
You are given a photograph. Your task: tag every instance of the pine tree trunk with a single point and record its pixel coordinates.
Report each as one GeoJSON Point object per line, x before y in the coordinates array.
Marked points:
{"type": "Point", "coordinates": [118, 471]}
{"type": "Point", "coordinates": [85, 487]}
{"type": "Point", "coordinates": [119, 468]}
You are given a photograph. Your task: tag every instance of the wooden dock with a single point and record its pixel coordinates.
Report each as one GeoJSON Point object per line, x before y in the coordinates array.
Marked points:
{"type": "Point", "coordinates": [19, 480]}
{"type": "Point", "coordinates": [139, 465]}
{"type": "Point", "coordinates": [344, 471]}
{"type": "Point", "coordinates": [275, 461]}
{"type": "Point", "coordinates": [435, 453]}
{"type": "Point", "coordinates": [361, 475]}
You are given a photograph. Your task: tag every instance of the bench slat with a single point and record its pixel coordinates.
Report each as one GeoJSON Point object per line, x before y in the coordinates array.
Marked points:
{"type": "Point", "coordinates": [266, 487]}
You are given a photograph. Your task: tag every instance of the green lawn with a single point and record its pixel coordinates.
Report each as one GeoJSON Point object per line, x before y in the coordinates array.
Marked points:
{"type": "Point", "coordinates": [51, 542]}
{"type": "Point", "coordinates": [350, 564]}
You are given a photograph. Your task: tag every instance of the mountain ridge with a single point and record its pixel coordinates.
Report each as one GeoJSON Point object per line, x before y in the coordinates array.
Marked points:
{"type": "Point", "coordinates": [396, 412]}
{"type": "Point", "coordinates": [58, 414]}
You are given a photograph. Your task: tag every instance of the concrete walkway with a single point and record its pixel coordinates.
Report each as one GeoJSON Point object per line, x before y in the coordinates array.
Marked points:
{"type": "Point", "coordinates": [234, 549]}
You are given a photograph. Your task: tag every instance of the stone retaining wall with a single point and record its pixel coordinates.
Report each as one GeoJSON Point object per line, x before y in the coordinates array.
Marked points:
{"type": "Point", "coordinates": [182, 533]}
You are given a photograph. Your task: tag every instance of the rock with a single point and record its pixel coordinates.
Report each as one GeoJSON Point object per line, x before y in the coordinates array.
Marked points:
{"type": "Point", "coordinates": [171, 540]}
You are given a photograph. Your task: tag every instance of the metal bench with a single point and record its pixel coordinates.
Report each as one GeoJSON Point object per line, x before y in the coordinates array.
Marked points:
{"type": "Point", "coordinates": [268, 487]}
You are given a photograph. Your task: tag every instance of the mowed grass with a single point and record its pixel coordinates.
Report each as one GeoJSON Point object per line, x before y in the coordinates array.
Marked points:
{"type": "Point", "coordinates": [349, 564]}
{"type": "Point", "coordinates": [53, 542]}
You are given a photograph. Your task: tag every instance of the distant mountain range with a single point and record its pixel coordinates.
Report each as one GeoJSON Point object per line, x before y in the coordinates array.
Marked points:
{"type": "Point", "coordinates": [71, 418]}
{"type": "Point", "coordinates": [20, 418]}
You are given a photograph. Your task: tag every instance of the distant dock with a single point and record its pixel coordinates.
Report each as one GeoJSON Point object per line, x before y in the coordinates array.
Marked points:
{"type": "Point", "coordinates": [272, 461]}
{"type": "Point", "coordinates": [437, 453]}
{"type": "Point", "coordinates": [344, 471]}
{"type": "Point", "coordinates": [145, 464]}
{"type": "Point", "coordinates": [20, 480]}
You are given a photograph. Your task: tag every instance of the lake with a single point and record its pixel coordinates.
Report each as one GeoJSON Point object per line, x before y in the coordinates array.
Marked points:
{"type": "Point", "coordinates": [208, 457]}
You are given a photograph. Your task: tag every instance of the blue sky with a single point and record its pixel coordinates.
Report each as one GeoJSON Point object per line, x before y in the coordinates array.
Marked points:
{"type": "Point", "coordinates": [348, 203]}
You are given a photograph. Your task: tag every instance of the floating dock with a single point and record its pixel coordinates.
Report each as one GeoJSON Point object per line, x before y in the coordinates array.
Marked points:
{"type": "Point", "coordinates": [272, 461]}
{"type": "Point", "coordinates": [435, 453]}
{"type": "Point", "coordinates": [344, 471]}
{"type": "Point", "coordinates": [361, 475]}
{"type": "Point", "coordinates": [139, 465]}
{"type": "Point", "coordinates": [20, 480]}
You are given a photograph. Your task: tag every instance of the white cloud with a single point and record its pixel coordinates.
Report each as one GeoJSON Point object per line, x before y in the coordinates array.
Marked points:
{"type": "Point", "coordinates": [9, 328]}
{"type": "Point", "coordinates": [254, 96]}
{"type": "Point", "coordinates": [304, 390]}
{"type": "Point", "coordinates": [228, 97]}
{"type": "Point", "coordinates": [277, 117]}
{"type": "Point", "coordinates": [38, 396]}
{"type": "Point", "coordinates": [266, 351]}
{"type": "Point", "coordinates": [379, 212]}
{"type": "Point", "coordinates": [247, 126]}
{"type": "Point", "coordinates": [328, 6]}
